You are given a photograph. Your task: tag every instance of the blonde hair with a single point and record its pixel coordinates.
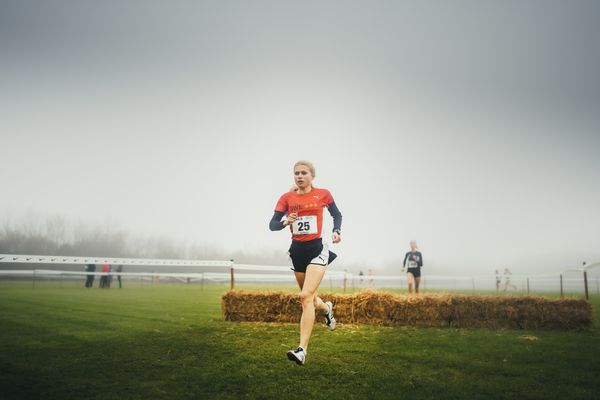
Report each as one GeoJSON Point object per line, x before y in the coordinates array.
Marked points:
{"type": "Point", "coordinates": [308, 164]}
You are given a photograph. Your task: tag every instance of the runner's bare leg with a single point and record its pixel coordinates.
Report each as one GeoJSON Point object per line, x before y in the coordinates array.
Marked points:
{"type": "Point", "coordinates": [411, 278]}
{"type": "Point", "coordinates": [319, 303]}
{"type": "Point", "coordinates": [312, 280]}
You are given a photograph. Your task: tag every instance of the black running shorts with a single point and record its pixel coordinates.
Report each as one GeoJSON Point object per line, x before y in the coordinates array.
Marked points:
{"type": "Point", "coordinates": [415, 271]}
{"type": "Point", "coordinates": [311, 252]}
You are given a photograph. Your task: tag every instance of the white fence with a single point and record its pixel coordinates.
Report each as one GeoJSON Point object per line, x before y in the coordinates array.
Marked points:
{"type": "Point", "coordinates": [569, 282]}
{"type": "Point", "coordinates": [49, 260]}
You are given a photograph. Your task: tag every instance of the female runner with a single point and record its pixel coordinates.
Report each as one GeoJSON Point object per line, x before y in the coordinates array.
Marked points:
{"type": "Point", "coordinates": [302, 208]}
{"type": "Point", "coordinates": [413, 261]}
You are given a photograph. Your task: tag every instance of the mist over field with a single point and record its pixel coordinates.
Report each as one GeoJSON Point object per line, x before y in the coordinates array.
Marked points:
{"type": "Point", "coordinates": [170, 129]}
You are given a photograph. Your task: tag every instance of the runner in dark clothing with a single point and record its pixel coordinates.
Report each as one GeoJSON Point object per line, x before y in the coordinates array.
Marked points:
{"type": "Point", "coordinates": [413, 261]}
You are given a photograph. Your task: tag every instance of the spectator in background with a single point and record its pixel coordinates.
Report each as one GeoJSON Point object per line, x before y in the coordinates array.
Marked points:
{"type": "Point", "coordinates": [104, 278]}
{"type": "Point", "coordinates": [120, 269]}
{"type": "Point", "coordinates": [371, 277]}
{"type": "Point", "coordinates": [109, 275]}
{"type": "Point", "coordinates": [89, 278]}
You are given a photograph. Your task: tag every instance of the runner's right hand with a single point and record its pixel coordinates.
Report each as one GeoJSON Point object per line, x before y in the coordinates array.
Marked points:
{"type": "Point", "coordinates": [290, 219]}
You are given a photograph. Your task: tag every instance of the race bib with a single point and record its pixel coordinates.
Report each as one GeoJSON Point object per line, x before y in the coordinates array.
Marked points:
{"type": "Point", "coordinates": [306, 225]}
{"type": "Point", "coordinates": [412, 264]}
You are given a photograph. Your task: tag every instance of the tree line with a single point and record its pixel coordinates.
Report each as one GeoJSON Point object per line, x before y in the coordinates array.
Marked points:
{"type": "Point", "coordinates": [58, 236]}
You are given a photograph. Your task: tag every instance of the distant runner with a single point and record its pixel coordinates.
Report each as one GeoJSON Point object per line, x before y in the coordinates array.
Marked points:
{"type": "Point", "coordinates": [507, 284]}
{"type": "Point", "coordinates": [413, 261]}
{"type": "Point", "coordinates": [498, 281]}
{"type": "Point", "coordinates": [302, 208]}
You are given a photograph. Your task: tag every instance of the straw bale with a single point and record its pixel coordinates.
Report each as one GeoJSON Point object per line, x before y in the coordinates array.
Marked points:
{"type": "Point", "coordinates": [436, 310]}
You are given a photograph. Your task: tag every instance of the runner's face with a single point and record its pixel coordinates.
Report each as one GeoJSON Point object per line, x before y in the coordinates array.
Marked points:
{"type": "Point", "coordinates": [302, 176]}
{"type": "Point", "coordinates": [413, 245]}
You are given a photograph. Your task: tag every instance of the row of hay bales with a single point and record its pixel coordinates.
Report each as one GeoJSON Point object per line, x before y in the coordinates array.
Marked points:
{"type": "Point", "coordinates": [436, 310]}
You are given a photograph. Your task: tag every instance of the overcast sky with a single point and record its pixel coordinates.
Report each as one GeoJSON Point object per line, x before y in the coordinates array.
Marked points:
{"type": "Point", "coordinates": [470, 126]}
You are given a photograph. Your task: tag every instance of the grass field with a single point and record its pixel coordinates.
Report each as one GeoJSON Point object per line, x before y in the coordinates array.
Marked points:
{"type": "Point", "coordinates": [169, 341]}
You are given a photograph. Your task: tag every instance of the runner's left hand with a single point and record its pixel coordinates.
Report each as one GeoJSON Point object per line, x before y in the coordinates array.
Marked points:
{"type": "Point", "coordinates": [336, 238]}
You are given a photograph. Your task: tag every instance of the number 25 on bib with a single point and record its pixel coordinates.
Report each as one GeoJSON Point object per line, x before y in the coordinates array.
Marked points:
{"type": "Point", "coordinates": [306, 225]}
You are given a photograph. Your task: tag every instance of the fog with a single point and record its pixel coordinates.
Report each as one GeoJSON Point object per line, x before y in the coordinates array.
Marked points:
{"type": "Point", "coordinates": [471, 127]}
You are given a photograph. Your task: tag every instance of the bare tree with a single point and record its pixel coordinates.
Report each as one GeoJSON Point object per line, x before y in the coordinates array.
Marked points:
{"type": "Point", "coordinates": [56, 229]}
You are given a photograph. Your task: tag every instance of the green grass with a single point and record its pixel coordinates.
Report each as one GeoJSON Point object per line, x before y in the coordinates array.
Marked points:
{"type": "Point", "coordinates": [168, 341]}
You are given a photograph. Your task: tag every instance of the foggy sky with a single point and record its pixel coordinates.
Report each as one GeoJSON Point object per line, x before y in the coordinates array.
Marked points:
{"type": "Point", "coordinates": [470, 126]}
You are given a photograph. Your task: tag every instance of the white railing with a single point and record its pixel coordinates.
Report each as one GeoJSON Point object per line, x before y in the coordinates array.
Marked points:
{"type": "Point", "coordinates": [250, 273]}
{"type": "Point", "coordinates": [37, 259]}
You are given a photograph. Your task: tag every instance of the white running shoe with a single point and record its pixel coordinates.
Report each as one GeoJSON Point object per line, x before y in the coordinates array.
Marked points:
{"type": "Point", "coordinates": [329, 319]}
{"type": "Point", "coordinates": [298, 355]}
